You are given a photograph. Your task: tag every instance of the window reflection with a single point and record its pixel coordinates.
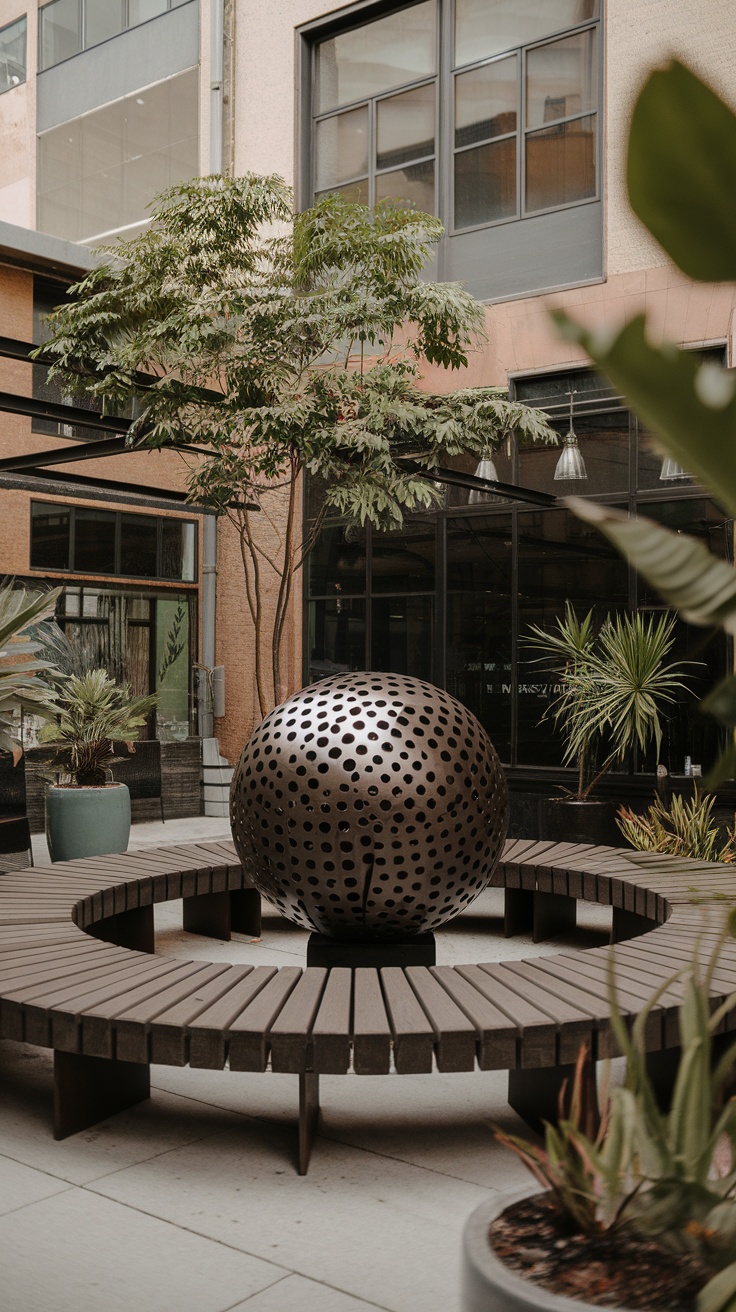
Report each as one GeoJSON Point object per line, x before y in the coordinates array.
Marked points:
{"type": "Point", "coordinates": [380, 55]}
{"type": "Point", "coordinates": [403, 637]}
{"type": "Point", "coordinates": [560, 559]}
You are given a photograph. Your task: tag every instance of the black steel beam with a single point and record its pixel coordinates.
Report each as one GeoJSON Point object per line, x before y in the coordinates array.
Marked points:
{"type": "Point", "coordinates": [454, 478]}
{"type": "Point", "coordinates": [62, 414]}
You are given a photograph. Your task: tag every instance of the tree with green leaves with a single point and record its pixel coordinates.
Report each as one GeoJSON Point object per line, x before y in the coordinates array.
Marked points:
{"type": "Point", "coordinates": [681, 183]}
{"type": "Point", "coordinates": [282, 343]}
{"type": "Point", "coordinates": [24, 674]}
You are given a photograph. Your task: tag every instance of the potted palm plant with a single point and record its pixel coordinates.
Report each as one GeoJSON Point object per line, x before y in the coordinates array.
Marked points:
{"type": "Point", "coordinates": [615, 685]}
{"type": "Point", "coordinates": [640, 1215]}
{"type": "Point", "coordinates": [87, 813]}
{"type": "Point", "coordinates": [23, 687]}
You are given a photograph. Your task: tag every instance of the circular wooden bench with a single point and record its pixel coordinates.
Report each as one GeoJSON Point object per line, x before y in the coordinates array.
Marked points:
{"type": "Point", "coordinates": [108, 1008]}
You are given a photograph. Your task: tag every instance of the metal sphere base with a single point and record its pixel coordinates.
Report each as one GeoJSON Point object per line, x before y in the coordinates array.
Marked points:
{"type": "Point", "coordinates": [414, 950]}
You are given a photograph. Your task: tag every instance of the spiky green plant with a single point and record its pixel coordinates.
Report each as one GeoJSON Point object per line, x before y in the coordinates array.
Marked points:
{"type": "Point", "coordinates": [684, 828]}
{"type": "Point", "coordinates": [615, 686]}
{"type": "Point", "coordinates": [22, 685]}
{"type": "Point", "coordinates": [92, 712]}
{"type": "Point", "coordinates": [657, 1172]}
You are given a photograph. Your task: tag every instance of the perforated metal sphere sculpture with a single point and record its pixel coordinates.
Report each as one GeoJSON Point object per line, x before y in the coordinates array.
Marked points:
{"type": "Point", "coordinates": [369, 806]}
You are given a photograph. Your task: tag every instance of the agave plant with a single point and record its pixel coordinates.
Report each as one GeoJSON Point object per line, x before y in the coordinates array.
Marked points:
{"type": "Point", "coordinates": [684, 828]}
{"type": "Point", "coordinates": [93, 712]}
{"type": "Point", "coordinates": [22, 687]}
{"type": "Point", "coordinates": [615, 685]}
{"type": "Point", "coordinates": [659, 1173]}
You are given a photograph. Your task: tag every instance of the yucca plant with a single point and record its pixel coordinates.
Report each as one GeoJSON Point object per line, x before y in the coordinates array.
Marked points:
{"type": "Point", "coordinates": [23, 686]}
{"type": "Point", "coordinates": [684, 828]}
{"type": "Point", "coordinates": [92, 712]}
{"type": "Point", "coordinates": [658, 1173]}
{"type": "Point", "coordinates": [615, 686]}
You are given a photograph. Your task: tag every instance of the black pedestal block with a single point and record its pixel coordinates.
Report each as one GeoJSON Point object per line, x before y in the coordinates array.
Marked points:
{"type": "Point", "coordinates": [415, 950]}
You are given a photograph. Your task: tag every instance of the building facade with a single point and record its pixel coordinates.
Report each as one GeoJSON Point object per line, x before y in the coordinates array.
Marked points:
{"type": "Point", "coordinates": [507, 118]}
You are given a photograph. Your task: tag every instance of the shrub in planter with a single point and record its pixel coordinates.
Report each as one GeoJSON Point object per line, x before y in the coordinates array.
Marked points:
{"type": "Point", "coordinates": [87, 813]}
{"type": "Point", "coordinates": [615, 686]}
{"type": "Point", "coordinates": [684, 828]}
{"type": "Point", "coordinates": [641, 1214]}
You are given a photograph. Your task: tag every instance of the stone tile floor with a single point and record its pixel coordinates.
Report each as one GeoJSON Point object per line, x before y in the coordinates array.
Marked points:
{"type": "Point", "coordinates": [191, 1201]}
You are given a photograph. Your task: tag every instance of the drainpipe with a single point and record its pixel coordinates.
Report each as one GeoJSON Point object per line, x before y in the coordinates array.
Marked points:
{"type": "Point", "coordinates": [209, 534]}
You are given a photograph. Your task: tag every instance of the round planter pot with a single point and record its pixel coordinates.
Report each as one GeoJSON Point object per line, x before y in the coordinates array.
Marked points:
{"type": "Point", "coordinates": [488, 1285]}
{"type": "Point", "coordinates": [87, 821]}
{"type": "Point", "coordinates": [568, 821]}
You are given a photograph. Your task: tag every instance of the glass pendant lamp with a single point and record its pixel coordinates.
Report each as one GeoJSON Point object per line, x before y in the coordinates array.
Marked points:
{"type": "Point", "coordinates": [570, 465]}
{"type": "Point", "coordinates": [485, 469]}
{"type": "Point", "coordinates": [673, 472]}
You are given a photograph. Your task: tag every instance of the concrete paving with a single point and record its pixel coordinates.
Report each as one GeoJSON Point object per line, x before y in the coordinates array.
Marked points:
{"type": "Point", "coordinates": [191, 1201]}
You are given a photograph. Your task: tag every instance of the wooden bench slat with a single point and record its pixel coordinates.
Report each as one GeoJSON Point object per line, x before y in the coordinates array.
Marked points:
{"type": "Point", "coordinates": [496, 1034]}
{"type": "Point", "coordinates": [98, 1017]}
{"type": "Point", "coordinates": [289, 1032]}
{"type": "Point", "coordinates": [169, 1032]}
{"type": "Point", "coordinates": [455, 1036]}
{"type": "Point", "coordinates": [208, 1032]}
{"type": "Point", "coordinates": [372, 1034]}
{"type": "Point", "coordinates": [248, 1033]}
{"type": "Point", "coordinates": [413, 1033]}
{"type": "Point", "coordinates": [537, 1032]}
{"type": "Point", "coordinates": [331, 1027]}
{"type": "Point", "coordinates": [132, 1023]}
{"type": "Point", "coordinates": [574, 1021]}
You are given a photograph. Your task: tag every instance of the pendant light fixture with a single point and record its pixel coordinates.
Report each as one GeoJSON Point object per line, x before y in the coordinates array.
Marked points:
{"type": "Point", "coordinates": [485, 469]}
{"type": "Point", "coordinates": [570, 465]}
{"type": "Point", "coordinates": [673, 472]}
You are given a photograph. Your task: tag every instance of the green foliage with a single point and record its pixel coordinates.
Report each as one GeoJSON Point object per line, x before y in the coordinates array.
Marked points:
{"type": "Point", "coordinates": [615, 685]}
{"type": "Point", "coordinates": [92, 712]}
{"type": "Point", "coordinates": [22, 685]}
{"type": "Point", "coordinates": [684, 828]}
{"type": "Point", "coordinates": [283, 343]}
{"type": "Point", "coordinates": [657, 1172]}
{"type": "Point", "coordinates": [681, 177]}
{"type": "Point", "coordinates": [564, 1166]}
{"type": "Point", "coordinates": [687, 200]}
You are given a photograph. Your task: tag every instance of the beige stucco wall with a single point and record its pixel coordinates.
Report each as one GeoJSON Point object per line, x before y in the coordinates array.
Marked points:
{"type": "Point", "coordinates": [18, 130]}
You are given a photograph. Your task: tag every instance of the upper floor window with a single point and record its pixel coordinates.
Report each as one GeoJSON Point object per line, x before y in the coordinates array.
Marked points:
{"type": "Point", "coordinates": [85, 540]}
{"type": "Point", "coordinates": [517, 93]}
{"type": "Point", "coordinates": [13, 54]}
{"type": "Point", "coordinates": [66, 27]}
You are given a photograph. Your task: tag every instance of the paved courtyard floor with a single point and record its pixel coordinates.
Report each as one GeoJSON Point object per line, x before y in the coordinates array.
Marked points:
{"type": "Point", "coordinates": [191, 1202]}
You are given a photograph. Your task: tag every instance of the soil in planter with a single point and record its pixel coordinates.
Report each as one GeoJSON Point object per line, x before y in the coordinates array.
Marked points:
{"type": "Point", "coordinates": [617, 1270]}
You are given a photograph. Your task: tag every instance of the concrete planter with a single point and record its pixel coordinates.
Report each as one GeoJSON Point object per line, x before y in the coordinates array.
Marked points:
{"type": "Point", "coordinates": [488, 1285]}
{"type": "Point", "coordinates": [87, 821]}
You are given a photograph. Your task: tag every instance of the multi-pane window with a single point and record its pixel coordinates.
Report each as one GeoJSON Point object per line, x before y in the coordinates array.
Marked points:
{"type": "Point", "coordinates": [85, 540]}
{"type": "Point", "coordinates": [518, 97]}
{"type": "Point", "coordinates": [66, 27]}
{"type": "Point", "coordinates": [375, 91]}
{"type": "Point", "coordinates": [13, 54]}
{"type": "Point", "coordinates": [98, 173]}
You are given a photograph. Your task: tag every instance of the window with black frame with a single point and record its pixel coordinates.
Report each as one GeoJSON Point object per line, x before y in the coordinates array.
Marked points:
{"type": "Point", "coordinates": [88, 540]}
{"type": "Point", "coordinates": [519, 92]}
{"type": "Point", "coordinates": [451, 596]}
{"type": "Point", "coordinates": [13, 54]}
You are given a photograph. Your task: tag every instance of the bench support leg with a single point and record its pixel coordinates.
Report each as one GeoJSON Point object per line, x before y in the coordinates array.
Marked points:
{"type": "Point", "coordinates": [245, 912]}
{"type": "Point", "coordinates": [89, 1089]}
{"type": "Point", "coordinates": [207, 914]}
{"type": "Point", "coordinates": [518, 915]}
{"type": "Point", "coordinates": [308, 1113]}
{"type": "Point", "coordinates": [553, 915]}
{"type": "Point", "coordinates": [627, 924]}
{"type": "Point", "coordinates": [128, 929]}
{"type": "Point", "coordinates": [535, 1095]}
{"type": "Point", "coordinates": [217, 915]}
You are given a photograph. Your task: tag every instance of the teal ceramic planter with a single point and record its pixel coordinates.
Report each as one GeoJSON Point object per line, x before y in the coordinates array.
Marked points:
{"type": "Point", "coordinates": [87, 821]}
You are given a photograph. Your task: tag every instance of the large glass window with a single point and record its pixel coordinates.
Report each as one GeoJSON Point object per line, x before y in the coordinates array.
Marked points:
{"type": "Point", "coordinates": [451, 596]}
{"type": "Point", "coordinates": [86, 540]}
{"type": "Point", "coordinates": [144, 639]}
{"type": "Point", "coordinates": [66, 27]}
{"type": "Point", "coordinates": [517, 87]}
{"type": "Point", "coordinates": [13, 54]}
{"type": "Point", "coordinates": [98, 173]}
{"type": "Point", "coordinates": [384, 146]}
